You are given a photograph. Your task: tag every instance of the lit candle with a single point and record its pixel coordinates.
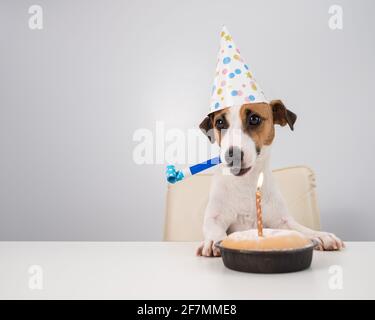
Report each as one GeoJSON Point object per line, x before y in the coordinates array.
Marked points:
{"type": "Point", "coordinates": [258, 197]}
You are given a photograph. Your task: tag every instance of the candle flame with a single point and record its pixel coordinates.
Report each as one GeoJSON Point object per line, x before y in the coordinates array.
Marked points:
{"type": "Point", "coordinates": [260, 180]}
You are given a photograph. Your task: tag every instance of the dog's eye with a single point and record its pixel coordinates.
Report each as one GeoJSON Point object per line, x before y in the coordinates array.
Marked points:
{"type": "Point", "coordinates": [253, 120]}
{"type": "Point", "coordinates": [220, 124]}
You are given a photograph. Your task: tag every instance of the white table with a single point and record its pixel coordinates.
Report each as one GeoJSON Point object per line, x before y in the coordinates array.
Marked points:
{"type": "Point", "coordinates": [170, 270]}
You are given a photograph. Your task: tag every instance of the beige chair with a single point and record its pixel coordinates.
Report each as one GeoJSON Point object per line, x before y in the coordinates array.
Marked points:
{"type": "Point", "coordinates": [187, 200]}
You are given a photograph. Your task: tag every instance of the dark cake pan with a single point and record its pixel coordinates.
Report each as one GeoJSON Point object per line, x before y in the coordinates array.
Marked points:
{"type": "Point", "coordinates": [267, 261]}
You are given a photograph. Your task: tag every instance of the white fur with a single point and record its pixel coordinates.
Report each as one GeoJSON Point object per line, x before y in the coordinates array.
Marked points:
{"type": "Point", "coordinates": [231, 206]}
{"type": "Point", "coordinates": [234, 136]}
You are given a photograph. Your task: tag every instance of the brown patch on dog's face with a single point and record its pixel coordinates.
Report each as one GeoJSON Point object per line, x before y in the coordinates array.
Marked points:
{"type": "Point", "coordinates": [214, 125]}
{"type": "Point", "coordinates": [257, 122]}
{"type": "Point", "coordinates": [220, 124]}
{"type": "Point", "coordinates": [243, 131]}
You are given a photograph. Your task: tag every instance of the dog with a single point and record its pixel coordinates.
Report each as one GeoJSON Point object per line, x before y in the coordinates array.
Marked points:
{"type": "Point", "coordinates": [245, 135]}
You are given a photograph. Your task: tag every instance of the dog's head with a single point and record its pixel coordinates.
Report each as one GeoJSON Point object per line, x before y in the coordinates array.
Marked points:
{"type": "Point", "coordinates": [242, 132]}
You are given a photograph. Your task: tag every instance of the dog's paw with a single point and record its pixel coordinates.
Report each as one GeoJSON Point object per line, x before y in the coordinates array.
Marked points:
{"type": "Point", "coordinates": [208, 249]}
{"type": "Point", "coordinates": [327, 241]}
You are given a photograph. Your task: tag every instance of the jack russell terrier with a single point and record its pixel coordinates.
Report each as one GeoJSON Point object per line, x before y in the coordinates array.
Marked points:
{"type": "Point", "coordinates": [245, 135]}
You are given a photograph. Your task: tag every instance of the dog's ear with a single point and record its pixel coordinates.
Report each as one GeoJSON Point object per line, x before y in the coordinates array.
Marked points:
{"type": "Point", "coordinates": [282, 115]}
{"type": "Point", "coordinates": [207, 128]}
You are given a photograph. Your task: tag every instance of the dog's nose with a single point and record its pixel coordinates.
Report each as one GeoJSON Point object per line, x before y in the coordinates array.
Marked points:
{"type": "Point", "coordinates": [234, 156]}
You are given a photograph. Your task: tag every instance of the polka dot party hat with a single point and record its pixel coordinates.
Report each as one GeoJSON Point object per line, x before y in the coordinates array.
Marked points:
{"type": "Point", "coordinates": [234, 83]}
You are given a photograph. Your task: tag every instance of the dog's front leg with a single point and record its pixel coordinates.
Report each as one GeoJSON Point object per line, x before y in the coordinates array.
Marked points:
{"type": "Point", "coordinates": [215, 227]}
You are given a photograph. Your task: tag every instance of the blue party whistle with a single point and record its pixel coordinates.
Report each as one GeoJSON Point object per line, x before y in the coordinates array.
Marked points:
{"type": "Point", "coordinates": [174, 175]}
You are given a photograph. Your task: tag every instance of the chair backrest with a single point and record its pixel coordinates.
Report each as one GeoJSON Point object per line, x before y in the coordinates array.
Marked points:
{"type": "Point", "coordinates": [187, 200]}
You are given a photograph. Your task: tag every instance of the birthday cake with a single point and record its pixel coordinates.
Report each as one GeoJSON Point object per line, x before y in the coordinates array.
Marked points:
{"type": "Point", "coordinates": [272, 239]}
